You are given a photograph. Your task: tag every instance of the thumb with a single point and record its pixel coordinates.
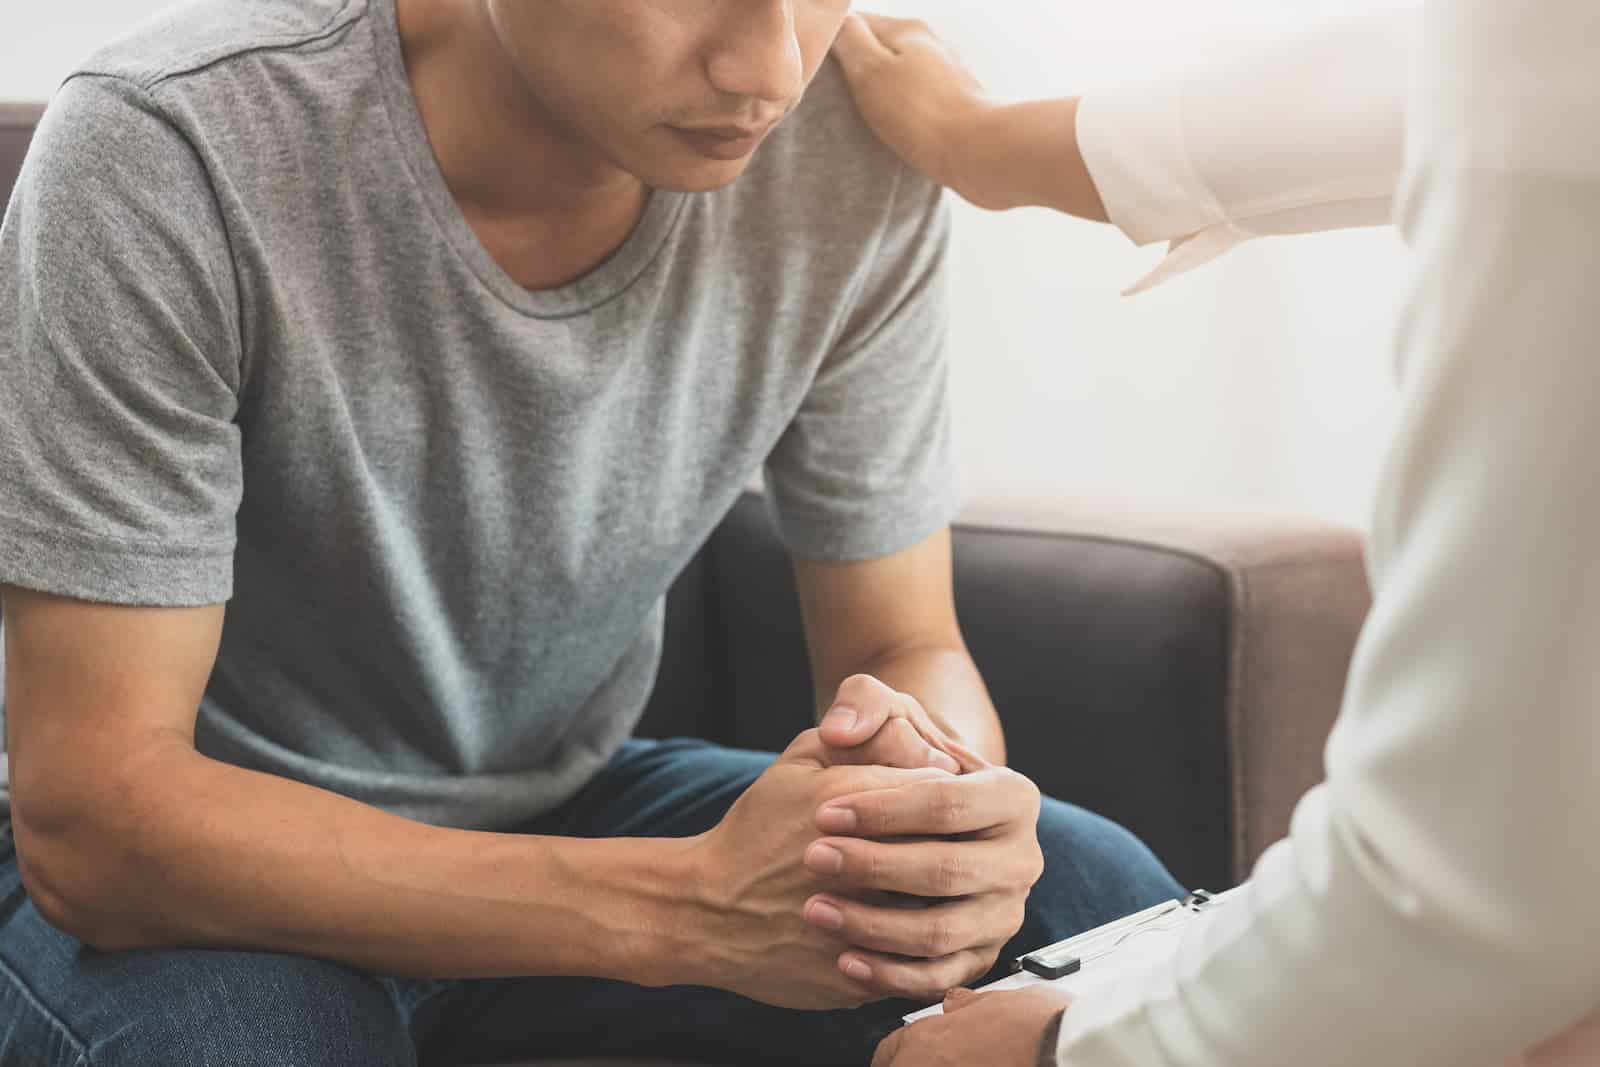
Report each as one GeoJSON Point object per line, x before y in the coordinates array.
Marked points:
{"type": "Point", "coordinates": [857, 48]}
{"type": "Point", "coordinates": [849, 725]}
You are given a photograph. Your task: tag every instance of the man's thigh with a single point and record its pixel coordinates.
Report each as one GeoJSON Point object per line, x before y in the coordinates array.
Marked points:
{"type": "Point", "coordinates": [63, 1004]}
{"type": "Point", "coordinates": [658, 789]}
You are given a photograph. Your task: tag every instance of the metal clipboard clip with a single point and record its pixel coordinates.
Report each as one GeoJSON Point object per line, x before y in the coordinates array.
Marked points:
{"type": "Point", "coordinates": [1069, 956]}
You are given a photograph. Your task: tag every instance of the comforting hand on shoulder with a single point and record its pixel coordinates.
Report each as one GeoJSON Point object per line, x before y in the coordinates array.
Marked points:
{"type": "Point", "coordinates": [911, 89]}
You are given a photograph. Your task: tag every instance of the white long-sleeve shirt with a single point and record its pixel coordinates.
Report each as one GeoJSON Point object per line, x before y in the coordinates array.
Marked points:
{"type": "Point", "coordinates": [1437, 903]}
{"type": "Point", "coordinates": [1285, 136]}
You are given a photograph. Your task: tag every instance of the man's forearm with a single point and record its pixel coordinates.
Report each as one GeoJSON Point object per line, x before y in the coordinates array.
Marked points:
{"type": "Point", "coordinates": [203, 854]}
{"type": "Point", "coordinates": [947, 683]}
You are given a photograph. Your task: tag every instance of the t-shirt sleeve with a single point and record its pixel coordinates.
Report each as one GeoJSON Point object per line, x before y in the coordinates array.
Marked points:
{"type": "Point", "coordinates": [119, 361]}
{"type": "Point", "coordinates": [866, 467]}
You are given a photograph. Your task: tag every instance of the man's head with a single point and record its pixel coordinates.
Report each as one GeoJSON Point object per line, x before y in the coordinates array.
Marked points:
{"type": "Point", "coordinates": [678, 93]}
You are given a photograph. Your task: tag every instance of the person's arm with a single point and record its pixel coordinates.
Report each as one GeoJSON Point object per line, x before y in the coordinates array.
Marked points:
{"type": "Point", "coordinates": [1434, 903]}
{"type": "Point", "coordinates": [928, 107]}
{"type": "Point", "coordinates": [129, 838]}
{"type": "Point", "coordinates": [894, 620]}
{"type": "Point", "coordinates": [1291, 135]}
{"type": "Point", "coordinates": [888, 656]}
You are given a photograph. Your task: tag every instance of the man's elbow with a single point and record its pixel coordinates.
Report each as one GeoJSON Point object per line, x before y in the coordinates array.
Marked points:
{"type": "Point", "coordinates": [71, 890]}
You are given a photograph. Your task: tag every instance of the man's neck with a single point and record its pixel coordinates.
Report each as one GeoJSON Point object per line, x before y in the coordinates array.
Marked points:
{"type": "Point", "coordinates": [548, 207]}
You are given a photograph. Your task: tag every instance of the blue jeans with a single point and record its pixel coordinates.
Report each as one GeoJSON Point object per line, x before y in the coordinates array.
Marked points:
{"type": "Point", "coordinates": [63, 1004]}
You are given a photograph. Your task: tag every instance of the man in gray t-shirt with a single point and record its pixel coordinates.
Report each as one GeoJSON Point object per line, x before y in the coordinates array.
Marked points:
{"type": "Point", "coordinates": [432, 338]}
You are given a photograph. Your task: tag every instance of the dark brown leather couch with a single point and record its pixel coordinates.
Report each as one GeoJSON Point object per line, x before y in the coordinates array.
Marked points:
{"type": "Point", "coordinates": [1178, 674]}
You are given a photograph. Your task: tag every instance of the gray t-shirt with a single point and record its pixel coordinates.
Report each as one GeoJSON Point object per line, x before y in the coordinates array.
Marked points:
{"type": "Point", "coordinates": [251, 349]}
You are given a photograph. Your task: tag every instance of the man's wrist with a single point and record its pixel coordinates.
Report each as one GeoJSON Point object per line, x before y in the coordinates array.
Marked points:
{"type": "Point", "coordinates": [640, 893]}
{"type": "Point", "coordinates": [1049, 1044]}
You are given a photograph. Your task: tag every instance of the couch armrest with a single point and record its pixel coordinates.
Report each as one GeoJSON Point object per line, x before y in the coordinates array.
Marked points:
{"type": "Point", "coordinates": [1297, 597]}
{"type": "Point", "coordinates": [1178, 675]}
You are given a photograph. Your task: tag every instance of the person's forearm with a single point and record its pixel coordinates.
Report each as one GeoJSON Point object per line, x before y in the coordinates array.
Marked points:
{"type": "Point", "coordinates": [948, 685]}
{"type": "Point", "coordinates": [1026, 155]}
{"type": "Point", "coordinates": [196, 853]}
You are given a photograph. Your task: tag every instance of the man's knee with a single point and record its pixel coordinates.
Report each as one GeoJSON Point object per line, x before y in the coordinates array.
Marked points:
{"type": "Point", "coordinates": [247, 1010]}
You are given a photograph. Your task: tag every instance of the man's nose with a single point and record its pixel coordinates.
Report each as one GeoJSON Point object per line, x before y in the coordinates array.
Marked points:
{"type": "Point", "coordinates": [757, 54]}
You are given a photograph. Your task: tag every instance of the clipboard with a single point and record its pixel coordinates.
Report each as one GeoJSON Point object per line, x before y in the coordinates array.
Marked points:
{"type": "Point", "coordinates": [1096, 957]}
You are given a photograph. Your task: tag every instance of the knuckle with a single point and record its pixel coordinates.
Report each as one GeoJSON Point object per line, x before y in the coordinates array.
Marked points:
{"type": "Point", "coordinates": [1023, 788]}
{"type": "Point", "coordinates": [860, 687]}
{"type": "Point", "coordinates": [1019, 916]}
{"type": "Point", "coordinates": [948, 806]}
{"type": "Point", "coordinates": [877, 817]}
{"type": "Point", "coordinates": [940, 938]}
{"type": "Point", "coordinates": [873, 872]}
{"type": "Point", "coordinates": [1035, 868]}
{"type": "Point", "coordinates": [950, 875]}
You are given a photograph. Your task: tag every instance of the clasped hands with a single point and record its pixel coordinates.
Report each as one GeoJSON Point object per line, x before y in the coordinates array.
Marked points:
{"type": "Point", "coordinates": [906, 874]}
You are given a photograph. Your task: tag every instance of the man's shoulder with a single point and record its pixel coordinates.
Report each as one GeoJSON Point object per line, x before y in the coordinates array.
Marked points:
{"type": "Point", "coordinates": [826, 156]}
{"type": "Point", "coordinates": [200, 34]}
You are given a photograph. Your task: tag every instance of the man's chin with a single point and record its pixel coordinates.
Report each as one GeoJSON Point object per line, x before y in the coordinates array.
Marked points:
{"type": "Point", "coordinates": [696, 176]}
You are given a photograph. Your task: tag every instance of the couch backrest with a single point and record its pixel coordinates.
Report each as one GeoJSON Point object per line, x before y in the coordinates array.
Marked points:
{"type": "Point", "coordinates": [16, 130]}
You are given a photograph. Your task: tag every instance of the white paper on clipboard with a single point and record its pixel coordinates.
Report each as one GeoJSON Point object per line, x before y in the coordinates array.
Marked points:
{"type": "Point", "coordinates": [1110, 952]}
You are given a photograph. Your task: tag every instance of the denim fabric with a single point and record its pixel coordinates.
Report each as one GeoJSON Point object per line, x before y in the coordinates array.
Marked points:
{"type": "Point", "coordinates": [63, 1004]}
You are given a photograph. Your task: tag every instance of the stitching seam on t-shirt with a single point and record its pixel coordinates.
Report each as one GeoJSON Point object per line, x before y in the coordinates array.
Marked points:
{"type": "Point", "coordinates": [670, 228]}
{"type": "Point", "coordinates": [211, 57]}
{"type": "Point", "coordinates": [154, 548]}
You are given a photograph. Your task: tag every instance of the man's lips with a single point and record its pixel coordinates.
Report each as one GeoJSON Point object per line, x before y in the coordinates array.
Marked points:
{"type": "Point", "coordinates": [724, 142]}
{"type": "Point", "coordinates": [730, 133]}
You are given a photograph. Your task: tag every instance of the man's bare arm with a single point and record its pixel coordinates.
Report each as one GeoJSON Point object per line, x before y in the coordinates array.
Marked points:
{"type": "Point", "coordinates": [129, 838]}
{"type": "Point", "coordinates": [895, 619]}
{"type": "Point", "coordinates": [968, 842]}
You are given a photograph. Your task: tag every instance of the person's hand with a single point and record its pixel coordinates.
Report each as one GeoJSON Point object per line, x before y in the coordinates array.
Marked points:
{"type": "Point", "coordinates": [747, 884]}
{"type": "Point", "coordinates": [968, 843]}
{"type": "Point", "coordinates": [1009, 1029]}
{"type": "Point", "coordinates": [918, 98]}
{"type": "Point", "coordinates": [871, 723]}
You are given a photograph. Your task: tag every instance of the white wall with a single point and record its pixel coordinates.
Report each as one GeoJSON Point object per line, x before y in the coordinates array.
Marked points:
{"type": "Point", "coordinates": [1260, 383]}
